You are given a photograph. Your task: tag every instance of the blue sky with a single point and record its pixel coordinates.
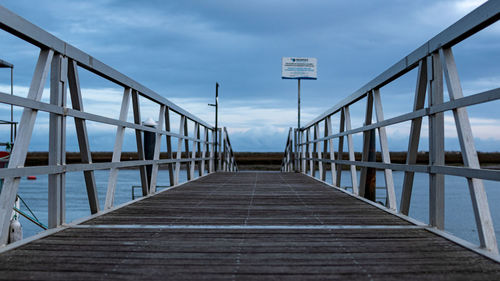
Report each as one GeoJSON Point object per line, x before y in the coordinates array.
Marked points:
{"type": "Point", "coordinates": [180, 48]}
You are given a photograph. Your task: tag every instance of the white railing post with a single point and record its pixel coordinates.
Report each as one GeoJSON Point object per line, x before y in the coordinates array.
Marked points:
{"type": "Point", "coordinates": [317, 148]}
{"type": "Point", "coordinates": [366, 144]}
{"type": "Point", "coordinates": [20, 150]}
{"type": "Point", "coordinates": [219, 149]}
{"type": "Point", "coordinates": [384, 148]}
{"type": "Point", "coordinates": [139, 142]}
{"type": "Point", "coordinates": [340, 151]}
{"type": "Point", "coordinates": [329, 131]}
{"type": "Point", "coordinates": [82, 135]}
{"type": "Point", "coordinates": [303, 139]}
{"type": "Point", "coordinates": [169, 147]}
{"type": "Point", "coordinates": [211, 163]}
{"type": "Point", "coordinates": [478, 195]}
{"type": "Point", "coordinates": [436, 143]}
{"type": "Point", "coordinates": [350, 146]}
{"type": "Point", "coordinates": [193, 153]}
{"type": "Point", "coordinates": [205, 147]}
{"type": "Point", "coordinates": [178, 154]}
{"type": "Point", "coordinates": [57, 141]}
{"type": "Point", "coordinates": [117, 150]}
{"type": "Point", "coordinates": [414, 139]}
{"type": "Point", "coordinates": [156, 153]}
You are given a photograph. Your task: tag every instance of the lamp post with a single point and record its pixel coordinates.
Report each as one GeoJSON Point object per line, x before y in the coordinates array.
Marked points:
{"type": "Point", "coordinates": [216, 118]}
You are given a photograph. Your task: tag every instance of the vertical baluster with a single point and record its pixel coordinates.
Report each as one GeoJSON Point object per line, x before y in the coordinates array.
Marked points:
{"type": "Point", "coordinates": [20, 150]}
{"type": "Point", "coordinates": [294, 150]}
{"type": "Point", "coordinates": [198, 150]}
{"type": "Point", "coordinates": [384, 148]}
{"type": "Point", "coordinates": [138, 140]}
{"type": "Point", "coordinates": [82, 136]}
{"type": "Point", "coordinates": [304, 139]}
{"type": "Point", "coordinates": [178, 154]}
{"type": "Point", "coordinates": [205, 147]}
{"type": "Point", "coordinates": [350, 146]}
{"type": "Point", "coordinates": [193, 153]}
{"type": "Point", "coordinates": [318, 150]}
{"type": "Point", "coordinates": [341, 147]}
{"type": "Point", "coordinates": [325, 148]}
{"type": "Point", "coordinates": [169, 147]}
{"type": "Point", "coordinates": [117, 150]}
{"type": "Point", "coordinates": [211, 163]}
{"type": "Point", "coordinates": [413, 141]}
{"type": "Point", "coordinates": [190, 173]}
{"type": "Point", "coordinates": [225, 153]}
{"type": "Point", "coordinates": [57, 141]}
{"type": "Point", "coordinates": [436, 145]}
{"type": "Point", "coordinates": [156, 153]}
{"type": "Point", "coordinates": [329, 132]}
{"type": "Point", "coordinates": [219, 148]}
{"type": "Point", "coordinates": [310, 147]}
{"type": "Point", "coordinates": [366, 144]}
{"type": "Point", "coordinates": [290, 150]}
{"type": "Point", "coordinates": [478, 195]}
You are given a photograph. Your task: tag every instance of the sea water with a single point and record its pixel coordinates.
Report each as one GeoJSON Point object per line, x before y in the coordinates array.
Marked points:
{"type": "Point", "coordinates": [35, 194]}
{"type": "Point", "coordinates": [459, 215]}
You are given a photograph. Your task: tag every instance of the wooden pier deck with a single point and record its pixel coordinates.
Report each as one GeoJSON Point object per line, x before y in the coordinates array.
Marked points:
{"type": "Point", "coordinates": [239, 226]}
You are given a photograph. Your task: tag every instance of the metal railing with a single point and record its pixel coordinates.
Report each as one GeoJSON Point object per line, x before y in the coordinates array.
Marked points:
{"type": "Point", "coordinates": [62, 62]}
{"type": "Point", "coordinates": [287, 162]}
{"type": "Point", "coordinates": [228, 159]}
{"type": "Point", "coordinates": [433, 60]}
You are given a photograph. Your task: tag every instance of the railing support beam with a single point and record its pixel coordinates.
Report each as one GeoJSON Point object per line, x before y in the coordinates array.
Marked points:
{"type": "Point", "coordinates": [479, 199]}
{"type": "Point", "coordinates": [57, 141]}
{"type": "Point", "coordinates": [20, 150]}
{"type": "Point", "coordinates": [436, 143]}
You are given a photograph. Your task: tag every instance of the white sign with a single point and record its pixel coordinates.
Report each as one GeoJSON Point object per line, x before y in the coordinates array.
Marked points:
{"type": "Point", "coordinates": [299, 68]}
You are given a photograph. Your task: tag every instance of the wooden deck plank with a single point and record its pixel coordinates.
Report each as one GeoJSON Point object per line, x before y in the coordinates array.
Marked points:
{"type": "Point", "coordinates": [247, 226]}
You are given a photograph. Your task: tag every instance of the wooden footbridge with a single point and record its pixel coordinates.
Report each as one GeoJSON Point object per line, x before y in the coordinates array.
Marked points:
{"type": "Point", "coordinates": [225, 224]}
{"type": "Point", "coordinates": [246, 226]}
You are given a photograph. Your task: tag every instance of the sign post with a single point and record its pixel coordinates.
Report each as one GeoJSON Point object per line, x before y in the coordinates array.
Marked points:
{"type": "Point", "coordinates": [298, 68]}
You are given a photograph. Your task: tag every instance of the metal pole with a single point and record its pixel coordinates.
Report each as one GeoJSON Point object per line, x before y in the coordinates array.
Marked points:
{"type": "Point", "coordinates": [216, 104]}
{"type": "Point", "coordinates": [298, 103]}
{"type": "Point", "coordinates": [149, 146]}
{"type": "Point", "coordinates": [216, 119]}
{"type": "Point", "coordinates": [11, 106]}
{"type": "Point", "coordinates": [371, 177]}
{"type": "Point", "coordinates": [298, 120]}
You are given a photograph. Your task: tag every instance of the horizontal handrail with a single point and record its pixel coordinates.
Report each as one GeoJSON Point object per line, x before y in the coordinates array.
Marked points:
{"type": "Point", "coordinates": [486, 96]}
{"type": "Point", "coordinates": [47, 107]}
{"type": "Point", "coordinates": [35, 35]}
{"type": "Point", "coordinates": [480, 18]}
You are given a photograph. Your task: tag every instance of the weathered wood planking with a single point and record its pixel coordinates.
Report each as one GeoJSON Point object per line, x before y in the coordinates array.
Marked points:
{"type": "Point", "coordinates": [239, 226]}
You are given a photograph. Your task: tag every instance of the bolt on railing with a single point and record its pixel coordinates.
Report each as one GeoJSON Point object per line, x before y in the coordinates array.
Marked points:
{"type": "Point", "coordinates": [435, 63]}
{"type": "Point", "coordinates": [62, 62]}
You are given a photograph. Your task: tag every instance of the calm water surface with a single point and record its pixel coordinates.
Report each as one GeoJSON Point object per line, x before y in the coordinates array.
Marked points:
{"type": "Point", "coordinates": [35, 193]}
{"type": "Point", "coordinates": [459, 216]}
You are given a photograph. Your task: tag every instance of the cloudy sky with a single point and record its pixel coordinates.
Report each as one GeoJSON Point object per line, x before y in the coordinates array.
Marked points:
{"type": "Point", "coordinates": [181, 48]}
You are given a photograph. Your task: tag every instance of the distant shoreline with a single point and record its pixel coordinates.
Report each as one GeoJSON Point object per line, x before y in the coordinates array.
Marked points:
{"type": "Point", "coordinates": [268, 160]}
